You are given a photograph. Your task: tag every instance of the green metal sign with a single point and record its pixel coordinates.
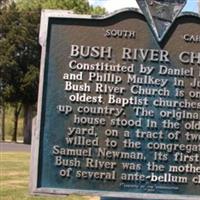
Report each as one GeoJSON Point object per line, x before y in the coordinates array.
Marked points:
{"type": "Point", "coordinates": [119, 109]}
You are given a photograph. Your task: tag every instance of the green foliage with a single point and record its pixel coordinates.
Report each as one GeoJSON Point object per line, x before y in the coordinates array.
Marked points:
{"type": "Point", "coordinates": [19, 54]}
{"type": "Point", "coordinates": [97, 10]}
{"type": "Point", "coordinates": [78, 6]}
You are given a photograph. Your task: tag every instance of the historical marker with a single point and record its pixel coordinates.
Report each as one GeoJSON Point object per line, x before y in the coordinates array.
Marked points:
{"type": "Point", "coordinates": [119, 104]}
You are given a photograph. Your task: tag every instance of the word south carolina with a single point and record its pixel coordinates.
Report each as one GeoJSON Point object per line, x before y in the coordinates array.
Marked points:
{"type": "Point", "coordinates": [132, 54]}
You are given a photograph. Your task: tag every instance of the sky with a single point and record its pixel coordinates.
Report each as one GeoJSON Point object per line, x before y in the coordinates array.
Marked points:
{"type": "Point", "coordinates": [111, 5]}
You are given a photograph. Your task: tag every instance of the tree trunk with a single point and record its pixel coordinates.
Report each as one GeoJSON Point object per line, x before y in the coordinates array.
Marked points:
{"type": "Point", "coordinates": [17, 109]}
{"type": "Point", "coordinates": [3, 123]}
{"type": "Point", "coordinates": [28, 110]}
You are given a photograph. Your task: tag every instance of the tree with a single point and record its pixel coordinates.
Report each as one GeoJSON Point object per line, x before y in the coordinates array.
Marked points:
{"type": "Point", "coordinates": [19, 59]}
{"type": "Point", "coordinates": [2, 114]}
{"type": "Point", "coordinates": [16, 59]}
{"type": "Point", "coordinates": [20, 52]}
{"type": "Point", "coordinates": [78, 6]}
{"type": "Point", "coordinates": [3, 4]}
{"type": "Point", "coordinates": [2, 111]}
{"type": "Point", "coordinates": [6, 63]}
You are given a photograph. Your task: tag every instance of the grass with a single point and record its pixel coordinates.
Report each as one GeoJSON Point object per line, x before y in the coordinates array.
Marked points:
{"type": "Point", "coordinates": [14, 179]}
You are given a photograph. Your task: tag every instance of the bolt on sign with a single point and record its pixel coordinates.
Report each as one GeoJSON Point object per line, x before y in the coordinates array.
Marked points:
{"type": "Point", "coordinates": [119, 104]}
